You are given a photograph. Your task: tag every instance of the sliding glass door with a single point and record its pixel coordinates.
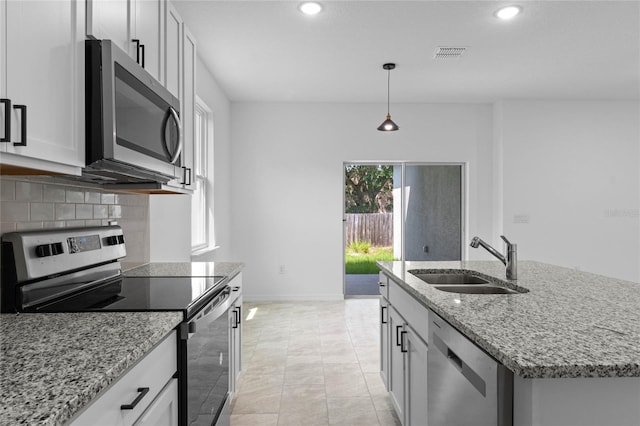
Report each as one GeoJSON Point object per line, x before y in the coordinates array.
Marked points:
{"type": "Point", "coordinates": [400, 211]}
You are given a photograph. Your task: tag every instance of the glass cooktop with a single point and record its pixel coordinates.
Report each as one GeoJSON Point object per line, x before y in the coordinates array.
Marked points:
{"type": "Point", "coordinates": [185, 294]}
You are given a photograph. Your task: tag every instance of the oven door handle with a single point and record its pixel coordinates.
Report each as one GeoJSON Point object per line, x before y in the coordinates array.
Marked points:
{"type": "Point", "coordinates": [217, 307]}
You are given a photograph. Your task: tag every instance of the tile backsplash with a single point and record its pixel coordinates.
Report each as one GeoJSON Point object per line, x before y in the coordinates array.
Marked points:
{"type": "Point", "coordinates": [44, 202]}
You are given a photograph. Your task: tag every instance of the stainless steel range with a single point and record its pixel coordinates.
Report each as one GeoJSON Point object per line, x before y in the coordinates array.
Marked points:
{"type": "Point", "coordinates": [79, 270]}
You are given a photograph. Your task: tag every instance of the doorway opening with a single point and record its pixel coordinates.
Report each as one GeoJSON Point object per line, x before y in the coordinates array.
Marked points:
{"type": "Point", "coordinates": [399, 211]}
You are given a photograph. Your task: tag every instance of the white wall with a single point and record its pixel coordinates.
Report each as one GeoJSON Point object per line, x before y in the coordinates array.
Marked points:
{"type": "Point", "coordinates": [573, 169]}
{"type": "Point", "coordinates": [288, 190]}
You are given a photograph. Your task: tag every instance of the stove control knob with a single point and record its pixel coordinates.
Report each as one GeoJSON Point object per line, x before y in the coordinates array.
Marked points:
{"type": "Point", "coordinates": [112, 240]}
{"type": "Point", "coordinates": [56, 248]}
{"type": "Point", "coordinates": [43, 250]}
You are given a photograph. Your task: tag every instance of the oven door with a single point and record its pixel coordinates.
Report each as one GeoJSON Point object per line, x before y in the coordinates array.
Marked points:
{"type": "Point", "coordinates": [206, 367]}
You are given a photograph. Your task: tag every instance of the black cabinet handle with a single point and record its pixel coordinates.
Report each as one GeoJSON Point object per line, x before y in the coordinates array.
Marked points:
{"type": "Point", "coordinates": [398, 327]}
{"type": "Point", "coordinates": [235, 289]}
{"type": "Point", "coordinates": [184, 176]}
{"type": "Point", "coordinates": [23, 125]}
{"type": "Point", "coordinates": [381, 285]}
{"type": "Point", "coordinates": [139, 47]}
{"type": "Point", "coordinates": [189, 169]}
{"type": "Point", "coordinates": [236, 314]}
{"type": "Point", "coordinates": [7, 120]}
{"type": "Point", "coordinates": [382, 308]}
{"type": "Point", "coordinates": [137, 42]}
{"type": "Point", "coordinates": [402, 348]}
{"type": "Point", "coordinates": [143, 392]}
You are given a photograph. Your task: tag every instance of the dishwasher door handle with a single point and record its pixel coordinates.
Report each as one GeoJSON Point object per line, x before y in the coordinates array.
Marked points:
{"type": "Point", "coordinates": [459, 364]}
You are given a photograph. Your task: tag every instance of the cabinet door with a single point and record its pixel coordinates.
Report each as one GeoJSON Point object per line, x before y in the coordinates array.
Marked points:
{"type": "Point", "coordinates": [188, 106]}
{"type": "Point", "coordinates": [163, 411]}
{"type": "Point", "coordinates": [396, 362]}
{"type": "Point", "coordinates": [415, 378]}
{"type": "Point", "coordinates": [44, 71]}
{"type": "Point", "coordinates": [110, 20]}
{"type": "Point", "coordinates": [237, 343]}
{"type": "Point", "coordinates": [149, 25]}
{"type": "Point", "coordinates": [173, 51]}
{"type": "Point", "coordinates": [384, 342]}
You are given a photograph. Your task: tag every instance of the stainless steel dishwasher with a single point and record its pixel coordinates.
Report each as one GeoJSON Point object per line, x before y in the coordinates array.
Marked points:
{"type": "Point", "coordinates": [466, 387]}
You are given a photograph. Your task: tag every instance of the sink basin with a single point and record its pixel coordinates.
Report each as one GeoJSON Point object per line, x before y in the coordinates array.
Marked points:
{"type": "Point", "coordinates": [476, 289]}
{"type": "Point", "coordinates": [450, 278]}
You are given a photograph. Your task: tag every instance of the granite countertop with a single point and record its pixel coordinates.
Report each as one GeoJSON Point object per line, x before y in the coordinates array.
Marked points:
{"type": "Point", "coordinates": [569, 324]}
{"type": "Point", "coordinates": [52, 365]}
{"type": "Point", "coordinates": [185, 269]}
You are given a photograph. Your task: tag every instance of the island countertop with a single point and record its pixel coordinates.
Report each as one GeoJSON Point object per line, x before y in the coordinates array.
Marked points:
{"type": "Point", "coordinates": [569, 324]}
{"type": "Point", "coordinates": [54, 364]}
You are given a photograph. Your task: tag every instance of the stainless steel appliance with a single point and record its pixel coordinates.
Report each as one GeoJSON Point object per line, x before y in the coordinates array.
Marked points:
{"type": "Point", "coordinates": [465, 387]}
{"type": "Point", "coordinates": [79, 270]}
{"type": "Point", "coordinates": [133, 128]}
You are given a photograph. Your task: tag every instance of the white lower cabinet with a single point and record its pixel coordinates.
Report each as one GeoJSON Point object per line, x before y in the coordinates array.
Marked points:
{"type": "Point", "coordinates": [235, 333]}
{"type": "Point", "coordinates": [146, 395]}
{"type": "Point", "coordinates": [396, 363]}
{"type": "Point", "coordinates": [384, 341]}
{"type": "Point", "coordinates": [415, 378]}
{"type": "Point", "coordinates": [163, 411]}
{"type": "Point", "coordinates": [404, 351]}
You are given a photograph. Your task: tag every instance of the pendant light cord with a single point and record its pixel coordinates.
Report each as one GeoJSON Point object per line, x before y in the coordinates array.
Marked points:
{"type": "Point", "coordinates": [388, 90]}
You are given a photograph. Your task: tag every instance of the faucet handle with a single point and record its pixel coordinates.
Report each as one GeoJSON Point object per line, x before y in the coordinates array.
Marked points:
{"type": "Point", "coordinates": [506, 241]}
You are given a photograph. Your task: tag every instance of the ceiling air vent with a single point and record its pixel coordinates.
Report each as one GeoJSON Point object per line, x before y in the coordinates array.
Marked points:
{"type": "Point", "coordinates": [448, 52]}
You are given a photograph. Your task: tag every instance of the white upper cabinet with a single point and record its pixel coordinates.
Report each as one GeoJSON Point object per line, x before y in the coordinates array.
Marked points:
{"type": "Point", "coordinates": [110, 20]}
{"type": "Point", "coordinates": [136, 26]}
{"type": "Point", "coordinates": [173, 52]}
{"type": "Point", "coordinates": [148, 28]}
{"type": "Point", "coordinates": [188, 107]}
{"type": "Point", "coordinates": [42, 76]}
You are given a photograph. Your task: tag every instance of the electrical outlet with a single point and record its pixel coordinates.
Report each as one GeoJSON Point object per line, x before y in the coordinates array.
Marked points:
{"type": "Point", "coordinates": [282, 270]}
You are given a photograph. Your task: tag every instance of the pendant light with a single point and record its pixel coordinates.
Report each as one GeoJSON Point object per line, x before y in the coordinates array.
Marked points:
{"type": "Point", "coordinates": [388, 125]}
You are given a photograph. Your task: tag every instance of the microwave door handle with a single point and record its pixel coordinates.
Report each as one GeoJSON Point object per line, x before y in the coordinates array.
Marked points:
{"type": "Point", "coordinates": [173, 157]}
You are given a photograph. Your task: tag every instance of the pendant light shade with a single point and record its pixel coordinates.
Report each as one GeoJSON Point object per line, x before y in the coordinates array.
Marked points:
{"type": "Point", "coordinates": [388, 125]}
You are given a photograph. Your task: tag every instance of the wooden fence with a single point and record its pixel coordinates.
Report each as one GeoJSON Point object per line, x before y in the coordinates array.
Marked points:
{"type": "Point", "coordinates": [376, 228]}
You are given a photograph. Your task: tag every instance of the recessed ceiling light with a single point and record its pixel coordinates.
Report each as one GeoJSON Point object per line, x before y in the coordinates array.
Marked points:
{"type": "Point", "coordinates": [508, 12]}
{"type": "Point", "coordinates": [310, 8]}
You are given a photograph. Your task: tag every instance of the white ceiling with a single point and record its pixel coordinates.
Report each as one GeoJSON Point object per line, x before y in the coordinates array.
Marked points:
{"type": "Point", "coordinates": [269, 51]}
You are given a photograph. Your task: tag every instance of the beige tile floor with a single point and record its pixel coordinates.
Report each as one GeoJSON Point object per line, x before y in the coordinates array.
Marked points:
{"type": "Point", "coordinates": [312, 363]}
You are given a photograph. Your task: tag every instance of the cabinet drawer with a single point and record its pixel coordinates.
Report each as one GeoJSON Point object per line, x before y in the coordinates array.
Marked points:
{"type": "Point", "coordinates": [236, 286]}
{"type": "Point", "coordinates": [416, 314]}
{"type": "Point", "coordinates": [153, 372]}
{"type": "Point", "coordinates": [383, 285]}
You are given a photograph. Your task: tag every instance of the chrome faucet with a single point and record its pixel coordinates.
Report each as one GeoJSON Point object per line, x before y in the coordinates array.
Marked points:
{"type": "Point", "coordinates": [511, 261]}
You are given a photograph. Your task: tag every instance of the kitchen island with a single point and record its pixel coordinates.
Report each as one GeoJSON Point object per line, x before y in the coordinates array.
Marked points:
{"type": "Point", "coordinates": [572, 339]}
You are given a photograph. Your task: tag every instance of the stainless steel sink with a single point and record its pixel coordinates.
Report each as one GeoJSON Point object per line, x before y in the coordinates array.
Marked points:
{"type": "Point", "coordinates": [476, 289]}
{"type": "Point", "coordinates": [449, 278]}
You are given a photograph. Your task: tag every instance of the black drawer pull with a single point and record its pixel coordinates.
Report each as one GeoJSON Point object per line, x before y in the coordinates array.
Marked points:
{"type": "Point", "coordinates": [7, 120]}
{"type": "Point", "coordinates": [23, 125]}
{"type": "Point", "coordinates": [382, 308]}
{"type": "Point", "coordinates": [143, 392]}
{"type": "Point", "coordinates": [398, 327]}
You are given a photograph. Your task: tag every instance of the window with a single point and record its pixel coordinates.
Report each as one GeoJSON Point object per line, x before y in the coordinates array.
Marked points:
{"type": "Point", "coordinates": [201, 200]}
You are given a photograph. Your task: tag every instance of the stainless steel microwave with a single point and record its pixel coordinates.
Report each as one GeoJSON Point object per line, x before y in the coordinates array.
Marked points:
{"type": "Point", "coordinates": [133, 129]}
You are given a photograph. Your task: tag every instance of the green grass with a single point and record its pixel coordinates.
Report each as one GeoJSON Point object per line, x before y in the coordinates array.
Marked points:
{"type": "Point", "coordinates": [365, 263]}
